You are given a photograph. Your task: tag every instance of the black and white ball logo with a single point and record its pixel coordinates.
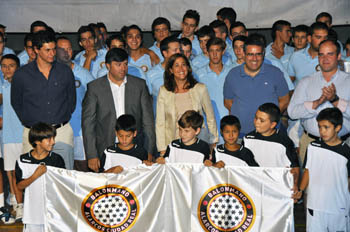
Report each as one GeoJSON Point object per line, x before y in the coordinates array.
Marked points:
{"type": "Point", "coordinates": [110, 208]}
{"type": "Point", "coordinates": [225, 207]}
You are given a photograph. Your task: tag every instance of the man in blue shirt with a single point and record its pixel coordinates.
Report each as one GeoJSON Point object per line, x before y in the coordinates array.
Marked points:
{"type": "Point", "coordinates": [204, 34]}
{"type": "Point", "coordinates": [326, 88]}
{"type": "Point", "coordinates": [82, 78]}
{"type": "Point", "coordinates": [213, 75]}
{"type": "Point", "coordinates": [90, 58]}
{"type": "Point", "coordinates": [44, 91]}
{"type": "Point", "coordinates": [6, 49]}
{"type": "Point", "coordinates": [281, 33]}
{"type": "Point", "coordinates": [28, 55]}
{"type": "Point", "coordinates": [160, 30]}
{"type": "Point", "coordinates": [169, 46]}
{"type": "Point", "coordinates": [254, 83]}
{"type": "Point", "coordinates": [221, 32]}
{"type": "Point", "coordinates": [189, 26]}
{"type": "Point", "coordinates": [228, 16]}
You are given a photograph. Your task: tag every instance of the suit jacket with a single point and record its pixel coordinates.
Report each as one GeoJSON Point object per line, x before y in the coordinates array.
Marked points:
{"type": "Point", "coordinates": [99, 115]}
{"type": "Point", "coordinates": [166, 116]}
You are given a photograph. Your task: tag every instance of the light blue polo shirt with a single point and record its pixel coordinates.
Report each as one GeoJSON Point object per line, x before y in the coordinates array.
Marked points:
{"type": "Point", "coordinates": [144, 62]}
{"type": "Point", "coordinates": [301, 64]}
{"type": "Point", "coordinates": [277, 63]}
{"type": "Point", "coordinates": [288, 51]}
{"type": "Point", "coordinates": [215, 86]}
{"type": "Point", "coordinates": [8, 51]}
{"type": "Point", "coordinates": [132, 70]}
{"type": "Point", "coordinates": [196, 49]}
{"type": "Point", "coordinates": [82, 78]}
{"type": "Point", "coordinates": [248, 93]}
{"type": "Point", "coordinates": [157, 51]}
{"type": "Point", "coordinates": [154, 80]}
{"type": "Point", "coordinates": [23, 57]}
{"type": "Point", "coordinates": [202, 60]}
{"type": "Point", "coordinates": [12, 127]}
{"type": "Point", "coordinates": [96, 64]}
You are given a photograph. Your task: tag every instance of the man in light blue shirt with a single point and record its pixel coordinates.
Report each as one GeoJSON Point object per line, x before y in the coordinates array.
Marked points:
{"type": "Point", "coordinates": [213, 75]}
{"type": "Point", "coordinates": [82, 78]}
{"type": "Point", "coordinates": [189, 26]}
{"type": "Point", "coordinates": [6, 49]}
{"type": "Point", "coordinates": [169, 46]}
{"type": "Point", "coordinates": [326, 88]}
{"type": "Point", "coordinates": [281, 33]}
{"type": "Point", "coordinates": [221, 32]}
{"type": "Point", "coordinates": [28, 54]}
{"type": "Point", "coordinates": [160, 30]}
{"type": "Point", "coordinates": [90, 58]}
{"type": "Point", "coordinates": [228, 15]}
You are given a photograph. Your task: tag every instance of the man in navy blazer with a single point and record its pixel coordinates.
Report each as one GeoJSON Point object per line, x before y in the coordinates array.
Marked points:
{"type": "Point", "coordinates": [109, 97]}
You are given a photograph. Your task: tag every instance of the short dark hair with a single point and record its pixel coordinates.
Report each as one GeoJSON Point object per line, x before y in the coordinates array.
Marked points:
{"type": "Point", "coordinates": [216, 41]}
{"type": "Point", "coordinates": [255, 39]}
{"type": "Point", "coordinates": [116, 36]}
{"type": "Point", "coordinates": [164, 44]}
{"type": "Point", "coordinates": [332, 34]}
{"type": "Point", "coordinates": [126, 122]}
{"type": "Point", "coordinates": [272, 110]}
{"type": "Point", "coordinates": [237, 24]}
{"type": "Point", "coordinates": [324, 14]}
{"type": "Point", "coordinates": [84, 29]}
{"type": "Point", "coordinates": [347, 41]}
{"type": "Point", "coordinates": [333, 115]}
{"type": "Point", "coordinates": [205, 31]}
{"type": "Point", "coordinates": [191, 118]}
{"type": "Point", "coordinates": [11, 57]}
{"type": "Point", "coordinates": [317, 26]}
{"type": "Point", "coordinates": [334, 42]}
{"type": "Point", "coordinates": [2, 26]}
{"type": "Point", "coordinates": [62, 38]}
{"type": "Point", "coordinates": [101, 25]}
{"type": "Point", "coordinates": [37, 23]}
{"type": "Point", "coordinates": [41, 37]}
{"type": "Point", "coordinates": [278, 26]}
{"type": "Point", "coordinates": [192, 14]}
{"type": "Point", "coordinates": [230, 120]}
{"type": "Point", "coordinates": [242, 38]}
{"type": "Point", "coordinates": [185, 41]}
{"type": "Point", "coordinates": [219, 24]}
{"type": "Point", "coordinates": [41, 131]}
{"type": "Point", "coordinates": [160, 21]}
{"type": "Point", "coordinates": [134, 26]}
{"type": "Point", "coordinates": [227, 13]}
{"type": "Point", "coordinates": [301, 28]}
{"type": "Point", "coordinates": [169, 81]}
{"type": "Point", "coordinates": [28, 37]}
{"type": "Point", "coordinates": [116, 54]}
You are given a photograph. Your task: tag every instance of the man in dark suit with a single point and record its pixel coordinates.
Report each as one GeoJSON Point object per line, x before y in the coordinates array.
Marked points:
{"type": "Point", "coordinates": [109, 97]}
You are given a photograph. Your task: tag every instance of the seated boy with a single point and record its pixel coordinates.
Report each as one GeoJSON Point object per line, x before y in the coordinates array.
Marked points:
{"type": "Point", "coordinates": [326, 176]}
{"type": "Point", "coordinates": [124, 153]}
{"type": "Point", "coordinates": [271, 148]}
{"type": "Point", "coordinates": [232, 153]}
{"type": "Point", "coordinates": [29, 169]}
{"type": "Point", "coordinates": [189, 148]}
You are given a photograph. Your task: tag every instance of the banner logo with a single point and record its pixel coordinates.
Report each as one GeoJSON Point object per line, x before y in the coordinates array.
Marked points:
{"type": "Point", "coordinates": [111, 208]}
{"type": "Point", "coordinates": [226, 207]}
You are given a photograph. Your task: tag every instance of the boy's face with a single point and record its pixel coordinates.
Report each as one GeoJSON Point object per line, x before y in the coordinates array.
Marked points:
{"type": "Point", "coordinates": [186, 50]}
{"type": "Point", "coordinates": [327, 130]}
{"type": "Point", "coordinates": [188, 135]}
{"type": "Point", "coordinates": [46, 144]}
{"type": "Point", "coordinates": [263, 124]}
{"type": "Point", "coordinates": [230, 134]}
{"type": "Point", "coordinates": [8, 68]}
{"type": "Point", "coordinates": [188, 27]}
{"type": "Point", "coordinates": [125, 138]}
{"type": "Point", "coordinates": [300, 40]}
{"type": "Point", "coordinates": [203, 43]}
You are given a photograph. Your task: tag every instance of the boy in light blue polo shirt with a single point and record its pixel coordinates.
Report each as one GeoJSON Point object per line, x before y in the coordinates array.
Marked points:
{"type": "Point", "coordinates": [160, 30]}
{"type": "Point", "coordinates": [12, 130]}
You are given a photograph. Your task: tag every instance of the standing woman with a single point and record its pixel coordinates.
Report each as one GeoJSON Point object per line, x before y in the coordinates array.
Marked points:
{"type": "Point", "coordinates": [181, 92]}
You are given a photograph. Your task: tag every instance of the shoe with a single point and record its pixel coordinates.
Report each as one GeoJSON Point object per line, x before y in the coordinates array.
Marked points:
{"type": "Point", "coordinates": [19, 212]}
{"type": "Point", "coordinates": [6, 217]}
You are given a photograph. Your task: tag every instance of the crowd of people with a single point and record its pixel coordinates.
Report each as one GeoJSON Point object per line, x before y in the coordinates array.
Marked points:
{"type": "Point", "coordinates": [215, 95]}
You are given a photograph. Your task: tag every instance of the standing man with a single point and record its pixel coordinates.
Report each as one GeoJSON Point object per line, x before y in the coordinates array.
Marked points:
{"type": "Point", "coordinates": [252, 84]}
{"type": "Point", "coordinates": [323, 89]}
{"type": "Point", "coordinates": [109, 97]}
{"type": "Point", "coordinates": [82, 78]}
{"type": "Point", "coordinates": [44, 91]}
{"type": "Point", "coordinates": [228, 16]}
{"type": "Point", "coordinates": [189, 26]}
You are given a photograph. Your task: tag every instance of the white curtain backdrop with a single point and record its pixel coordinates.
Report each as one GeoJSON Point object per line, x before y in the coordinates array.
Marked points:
{"type": "Point", "coordinates": [68, 15]}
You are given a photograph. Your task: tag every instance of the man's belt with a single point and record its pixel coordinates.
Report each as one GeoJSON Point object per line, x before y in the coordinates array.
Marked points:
{"type": "Point", "coordinates": [54, 125]}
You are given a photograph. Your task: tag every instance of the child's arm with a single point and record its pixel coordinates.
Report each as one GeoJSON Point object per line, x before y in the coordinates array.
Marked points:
{"type": "Point", "coordinates": [115, 169]}
{"type": "Point", "coordinates": [147, 162]}
{"type": "Point", "coordinates": [40, 170]}
{"type": "Point", "coordinates": [161, 159]}
{"type": "Point", "coordinates": [303, 185]}
{"type": "Point", "coordinates": [295, 172]}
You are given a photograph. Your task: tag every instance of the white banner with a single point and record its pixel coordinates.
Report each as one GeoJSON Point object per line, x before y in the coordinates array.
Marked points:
{"type": "Point", "coordinates": [69, 15]}
{"type": "Point", "coordinates": [171, 198]}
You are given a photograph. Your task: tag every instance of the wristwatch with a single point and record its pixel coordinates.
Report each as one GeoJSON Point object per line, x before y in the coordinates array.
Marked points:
{"type": "Point", "coordinates": [336, 98]}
